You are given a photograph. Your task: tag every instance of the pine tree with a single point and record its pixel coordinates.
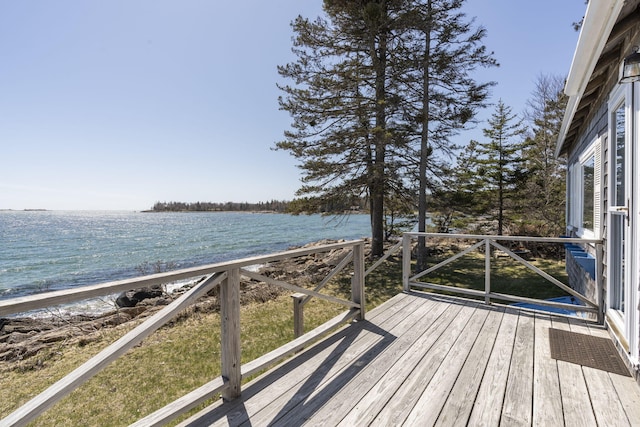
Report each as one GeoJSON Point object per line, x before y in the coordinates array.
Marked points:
{"type": "Point", "coordinates": [544, 192]}
{"type": "Point", "coordinates": [378, 87]}
{"type": "Point", "coordinates": [343, 104]}
{"type": "Point", "coordinates": [442, 97]}
{"type": "Point", "coordinates": [500, 165]}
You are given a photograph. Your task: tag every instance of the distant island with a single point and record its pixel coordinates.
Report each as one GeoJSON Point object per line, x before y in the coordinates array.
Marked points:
{"type": "Point", "coordinates": [24, 210]}
{"type": "Point", "coordinates": [279, 206]}
{"type": "Point", "coordinates": [295, 207]}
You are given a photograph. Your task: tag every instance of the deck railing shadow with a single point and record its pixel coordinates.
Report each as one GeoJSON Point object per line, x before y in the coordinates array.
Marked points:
{"type": "Point", "coordinates": [305, 406]}
{"type": "Point", "coordinates": [335, 346]}
{"type": "Point", "coordinates": [491, 245]}
{"type": "Point", "coordinates": [224, 275]}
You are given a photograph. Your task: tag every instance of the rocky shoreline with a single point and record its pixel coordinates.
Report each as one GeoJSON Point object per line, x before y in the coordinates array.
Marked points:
{"type": "Point", "coordinates": [22, 338]}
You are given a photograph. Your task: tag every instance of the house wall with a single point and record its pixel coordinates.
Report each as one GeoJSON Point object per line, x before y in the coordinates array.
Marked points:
{"type": "Point", "coordinates": [598, 125]}
{"type": "Point", "coordinates": [580, 270]}
{"type": "Point", "coordinates": [580, 273]}
{"type": "Point", "coordinates": [597, 120]}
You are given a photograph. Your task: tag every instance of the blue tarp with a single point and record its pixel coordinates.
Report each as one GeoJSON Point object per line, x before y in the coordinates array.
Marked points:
{"type": "Point", "coordinates": [564, 300]}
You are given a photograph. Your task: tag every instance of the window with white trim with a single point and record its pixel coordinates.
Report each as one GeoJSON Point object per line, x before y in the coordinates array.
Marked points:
{"type": "Point", "coordinates": [583, 188]}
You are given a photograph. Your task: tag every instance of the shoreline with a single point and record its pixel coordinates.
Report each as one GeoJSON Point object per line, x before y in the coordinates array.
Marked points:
{"type": "Point", "coordinates": [22, 337]}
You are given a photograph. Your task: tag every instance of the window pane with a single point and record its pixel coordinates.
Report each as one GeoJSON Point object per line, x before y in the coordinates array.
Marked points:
{"type": "Point", "coordinates": [620, 160]}
{"type": "Point", "coordinates": [570, 195]}
{"type": "Point", "coordinates": [588, 187]}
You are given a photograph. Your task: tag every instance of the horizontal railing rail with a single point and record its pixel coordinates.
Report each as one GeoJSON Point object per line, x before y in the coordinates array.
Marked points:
{"type": "Point", "coordinates": [490, 242]}
{"type": "Point", "coordinates": [48, 299]}
{"type": "Point", "coordinates": [226, 276]}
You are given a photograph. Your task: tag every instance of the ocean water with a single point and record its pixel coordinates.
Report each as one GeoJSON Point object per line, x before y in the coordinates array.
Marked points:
{"type": "Point", "coordinates": [52, 250]}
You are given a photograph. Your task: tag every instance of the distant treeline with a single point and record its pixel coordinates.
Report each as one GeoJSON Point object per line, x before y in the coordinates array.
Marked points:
{"type": "Point", "coordinates": [297, 206]}
{"type": "Point", "coordinates": [272, 206]}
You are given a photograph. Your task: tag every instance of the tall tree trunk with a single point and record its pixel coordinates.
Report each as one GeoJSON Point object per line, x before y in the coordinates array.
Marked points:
{"type": "Point", "coordinates": [421, 262]}
{"type": "Point", "coordinates": [377, 188]}
{"type": "Point", "coordinates": [500, 191]}
{"type": "Point", "coordinates": [377, 202]}
{"type": "Point", "coordinates": [377, 184]}
{"type": "Point", "coordinates": [500, 208]}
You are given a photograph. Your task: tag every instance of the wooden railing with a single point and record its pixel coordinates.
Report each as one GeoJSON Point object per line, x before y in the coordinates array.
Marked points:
{"type": "Point", "coordinates": [300, 300]}
{"type": "Point", "coordinates": [226, 275]}
{"type": "Point", "coordinates": [490, 244]}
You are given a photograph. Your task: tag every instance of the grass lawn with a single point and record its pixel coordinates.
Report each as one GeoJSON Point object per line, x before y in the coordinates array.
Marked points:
{"type": "Point", "coordinates": [508, 276]}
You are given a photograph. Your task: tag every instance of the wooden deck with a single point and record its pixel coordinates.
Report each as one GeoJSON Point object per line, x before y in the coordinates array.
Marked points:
{"type": "Point", "coordinates": [430, 360]}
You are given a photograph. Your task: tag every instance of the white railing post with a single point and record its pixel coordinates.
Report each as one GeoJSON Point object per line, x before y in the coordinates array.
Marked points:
{"type": "Point", "coordinates": [357, 283]}
{"type": "Point", "coordinates": [230, 324]}
{"type": "Point", "coordinates": [487, 271]}
{"type": "Point", "coordinates": [406, 261]}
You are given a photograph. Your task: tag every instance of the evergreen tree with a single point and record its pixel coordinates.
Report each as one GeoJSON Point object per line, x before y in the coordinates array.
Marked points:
{"type": "Point", "coordinates": [399, 203]}
{"type": "Point", "coordinates": [544, 192]}
{"type": "Point", "coordinates": [343, 104]}
{"type": "Point", "coordinates": [500, 165]}
{"type": "Point", "coordinates": [442, 97]}
{"type": "Point", "coordinates": [461, 192]}
{"type": "Point", "coordinates": [378, 87]}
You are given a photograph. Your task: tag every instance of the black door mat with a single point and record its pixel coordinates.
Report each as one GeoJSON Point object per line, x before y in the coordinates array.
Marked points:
{"type": "Point", "coordinates": [586, 350]}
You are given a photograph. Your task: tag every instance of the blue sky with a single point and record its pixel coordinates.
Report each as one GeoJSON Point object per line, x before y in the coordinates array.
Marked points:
{"type": "Point", "coordinates": [118, 104]}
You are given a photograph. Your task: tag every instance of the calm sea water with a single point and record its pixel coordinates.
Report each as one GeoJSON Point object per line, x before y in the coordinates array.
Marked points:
{"type": "Point", "coordinates": [43, 251]}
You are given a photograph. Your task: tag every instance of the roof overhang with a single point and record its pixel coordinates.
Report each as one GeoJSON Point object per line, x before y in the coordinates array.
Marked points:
{"type": "Point", "coordinates": [599, 20]}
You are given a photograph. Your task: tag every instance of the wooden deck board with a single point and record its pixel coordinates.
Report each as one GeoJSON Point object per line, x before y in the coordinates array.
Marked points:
{"type": "Point", "coordinates": [629, 397]}
{"type": "Point", "coordinates": [402, 402]}
{"type": "Point", "coordinates": [547, 400]}
{"type": "Point", "coordinates": [369, 406]}
{"type": "Point", "coordinates": [431, 360]}
{"type": "Point", "coordinates": [518, 399]}
{"type": "Point", "coordinates": [459, 403]}
{"type": "Point", "coordinates": [576, 403]}
{"type": "Point", "coordinates": [607, 406]}
{"type": "Point", "coordinates": [370, 365]}
{"type": "Point", "coordinates": [379, 369]}
{"type": "Point", "coordinates": [287, 380]}
{"type": "Point", "coordinates": [427, 408]}
{"type": "Point", "coordinates": [487, 407]}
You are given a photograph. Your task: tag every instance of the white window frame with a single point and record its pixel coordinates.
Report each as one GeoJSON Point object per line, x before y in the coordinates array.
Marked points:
{"type": "Point", "coordinates": [634, 299]}
{"type": "Point", "coordinates": [627, 324]}
{"type": "Point", "coordinates": [575, 189]}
